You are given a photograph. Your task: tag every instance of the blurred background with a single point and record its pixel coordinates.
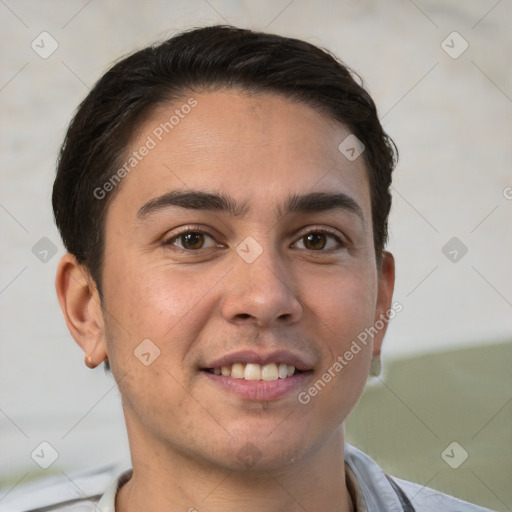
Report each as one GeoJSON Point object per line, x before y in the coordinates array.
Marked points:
{"type": "Point", "coordinates": [441, 411]}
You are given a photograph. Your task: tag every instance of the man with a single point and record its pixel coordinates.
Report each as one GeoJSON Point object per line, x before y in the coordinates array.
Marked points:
{"type": "Point", "coordinates": [224, 200]}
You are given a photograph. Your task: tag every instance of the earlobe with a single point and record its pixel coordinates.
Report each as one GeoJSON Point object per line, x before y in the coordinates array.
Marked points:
{"type": "Point", "coordinates": [80, 303]}
{"type": "Point", "coordinates": [386, 284]}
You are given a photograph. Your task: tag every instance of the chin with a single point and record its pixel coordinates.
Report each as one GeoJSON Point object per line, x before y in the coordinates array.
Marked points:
{"type": "Point", "coordinates": [262, 453]}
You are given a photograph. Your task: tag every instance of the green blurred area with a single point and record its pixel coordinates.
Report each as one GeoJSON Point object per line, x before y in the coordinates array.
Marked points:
{"type": "Point", "coordinates": [409, 415]}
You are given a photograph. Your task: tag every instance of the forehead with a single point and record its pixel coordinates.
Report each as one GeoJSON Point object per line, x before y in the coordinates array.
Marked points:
{"type": "Point", "coordinates": [255, 147]}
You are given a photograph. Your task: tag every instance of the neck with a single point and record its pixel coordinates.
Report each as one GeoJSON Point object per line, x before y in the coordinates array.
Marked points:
{"type": "Point", "coordinates": [168, 481]}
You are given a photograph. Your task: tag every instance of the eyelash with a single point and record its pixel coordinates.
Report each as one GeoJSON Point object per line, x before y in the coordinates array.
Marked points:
{"type": "Point", "coordinates": [202, 231]}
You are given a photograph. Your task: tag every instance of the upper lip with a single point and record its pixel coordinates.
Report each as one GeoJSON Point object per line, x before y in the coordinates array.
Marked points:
{"type": "Point", "coordinates": [300, 362]}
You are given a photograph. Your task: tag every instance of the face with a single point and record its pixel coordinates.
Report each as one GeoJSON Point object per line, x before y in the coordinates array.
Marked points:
{"type": "Point", "coordinates": [239, 267]}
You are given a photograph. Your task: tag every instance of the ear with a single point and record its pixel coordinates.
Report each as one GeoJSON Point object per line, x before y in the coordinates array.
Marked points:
{"type": "Point", "coordinates": [80, 302]}
{"type": "Point", "coordinates": [386, 285]}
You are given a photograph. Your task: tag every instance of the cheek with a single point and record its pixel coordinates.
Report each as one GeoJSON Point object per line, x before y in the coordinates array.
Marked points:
{"type": "Point", "coordinates": [157, 303]}
{"type": "Point", "coordinates": [158, 312]}
{"type": "Point", "coordinates": [342, 309]}
{"type": "Point", "coordinates": [344, 303]}
{"type": "Point", "coordinates": [153, 298]}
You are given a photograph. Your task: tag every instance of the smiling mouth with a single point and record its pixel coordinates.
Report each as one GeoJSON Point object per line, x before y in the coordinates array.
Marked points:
{"type": "Point", "coordinates": [252, 371]}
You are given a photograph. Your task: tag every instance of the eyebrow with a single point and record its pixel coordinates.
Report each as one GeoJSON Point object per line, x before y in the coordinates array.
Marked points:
{"type": "Point", "coordinates": [194, 200]}
{"type": "Point", "coordinates": [297, 203]}
{"type": "Point", "coordinates": [321, 202]}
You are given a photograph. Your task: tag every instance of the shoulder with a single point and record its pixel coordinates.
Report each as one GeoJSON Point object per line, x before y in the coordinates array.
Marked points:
{"type": "Point", "coordinates": [383, 492]}
{"type": "Point", "coordinates": [425, 499]}
{"type": "Point", "coordinates": [66, 491]}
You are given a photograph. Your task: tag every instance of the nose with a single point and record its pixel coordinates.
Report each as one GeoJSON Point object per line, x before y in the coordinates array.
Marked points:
{"type": "Point", "coordinates": [261, 293]}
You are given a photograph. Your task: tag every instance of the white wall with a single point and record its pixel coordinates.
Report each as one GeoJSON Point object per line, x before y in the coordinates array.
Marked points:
{"type": "Point", "coordinates": [450, 117]}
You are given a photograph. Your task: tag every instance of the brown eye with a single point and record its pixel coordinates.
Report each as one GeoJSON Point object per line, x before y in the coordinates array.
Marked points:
{"type": "Point", "coordinates": [318, 241]}
{"type": "Point", "coordinates": [314, 241]}
{"type": "Point", "coordinates": [192, 241]}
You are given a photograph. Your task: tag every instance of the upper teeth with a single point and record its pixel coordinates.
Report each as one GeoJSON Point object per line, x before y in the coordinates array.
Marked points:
{"type": "Point", "coordinates": [252, 371]}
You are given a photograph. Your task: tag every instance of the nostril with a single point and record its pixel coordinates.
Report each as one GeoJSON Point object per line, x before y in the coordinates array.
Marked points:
{"type": "Point", "coordinates": [244, 315]}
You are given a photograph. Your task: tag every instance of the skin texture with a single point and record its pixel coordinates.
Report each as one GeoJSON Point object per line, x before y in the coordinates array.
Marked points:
{"type": "Point", "coordinates": [186, 432]}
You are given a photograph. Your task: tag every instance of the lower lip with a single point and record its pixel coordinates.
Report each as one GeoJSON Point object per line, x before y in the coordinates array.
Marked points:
{"type": "Point", "coordinates": [259, 390]}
